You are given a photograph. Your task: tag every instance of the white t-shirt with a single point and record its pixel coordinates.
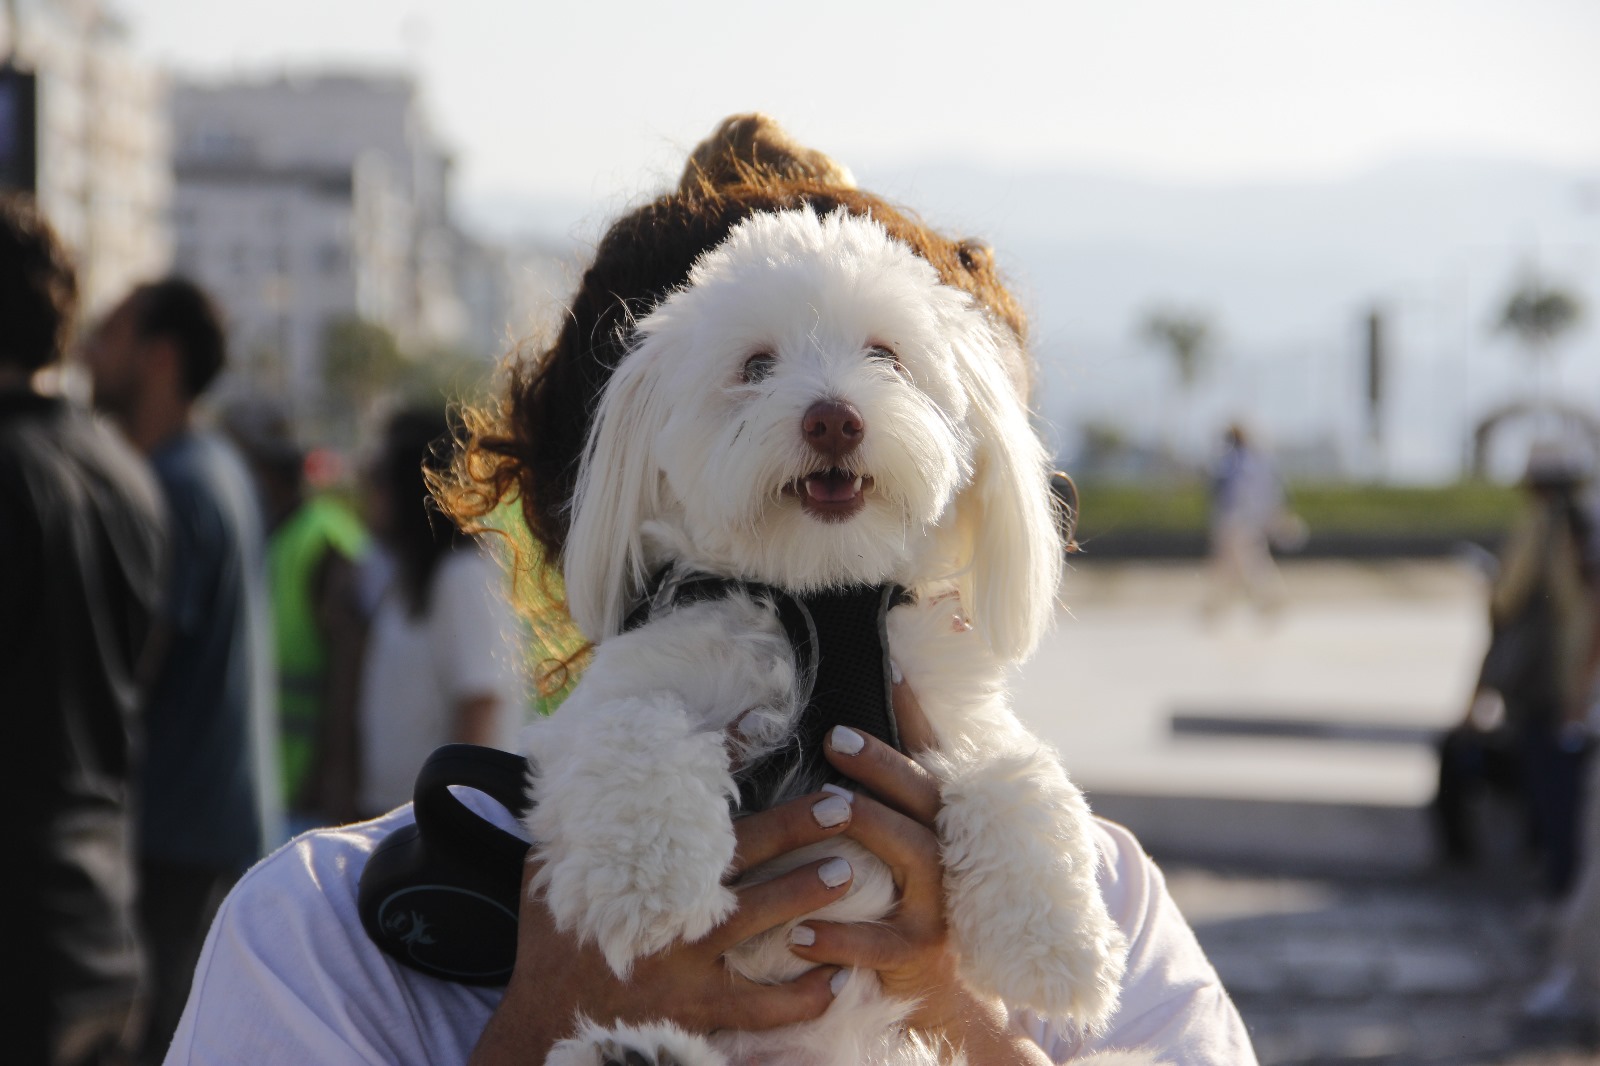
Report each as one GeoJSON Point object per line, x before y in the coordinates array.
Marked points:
{"type": "Point", "coordinates": [416, 670]}
{"type": "Point", "coordinates": [288, 976]}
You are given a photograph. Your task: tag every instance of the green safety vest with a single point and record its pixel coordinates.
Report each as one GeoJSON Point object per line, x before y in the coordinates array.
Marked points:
{"type": "Point", "coordinates": [294, 552]}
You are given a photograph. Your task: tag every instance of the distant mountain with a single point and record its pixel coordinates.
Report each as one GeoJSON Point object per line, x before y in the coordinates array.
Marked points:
{"type": "Point", "coordinates": [1287, 271]}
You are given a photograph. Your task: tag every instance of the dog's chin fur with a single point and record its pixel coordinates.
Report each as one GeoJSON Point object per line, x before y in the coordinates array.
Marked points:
{"type": "Point", "coordinates": [688, 464]}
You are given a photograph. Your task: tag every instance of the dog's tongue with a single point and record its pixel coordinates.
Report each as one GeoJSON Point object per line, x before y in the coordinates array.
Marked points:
{"type": "Point", "coordinates": [833, 486]}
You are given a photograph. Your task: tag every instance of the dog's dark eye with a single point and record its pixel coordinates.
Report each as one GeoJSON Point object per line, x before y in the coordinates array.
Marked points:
{"type": "Point", "coordinates": [758, 367]}
{"type": "Point", "coordinates": [881, 354]}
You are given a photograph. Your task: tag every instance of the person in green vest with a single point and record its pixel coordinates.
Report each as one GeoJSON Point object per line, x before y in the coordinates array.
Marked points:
{"type": "Point", "coordinates": [315, 542]}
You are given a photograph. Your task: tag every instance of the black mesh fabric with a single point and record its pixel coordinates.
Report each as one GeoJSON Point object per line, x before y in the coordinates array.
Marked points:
{"type": "Point", "coordinates": [840, 642]}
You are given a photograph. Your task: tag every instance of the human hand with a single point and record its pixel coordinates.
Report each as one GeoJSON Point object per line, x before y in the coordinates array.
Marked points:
{"type": "Point", "coordinates": [556, 978]}
{"type": "Point", "coordinates": [910, 950]}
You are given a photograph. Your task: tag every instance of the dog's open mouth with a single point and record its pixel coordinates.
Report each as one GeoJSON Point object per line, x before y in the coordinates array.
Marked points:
{"type": "Point", "coordinates": [832, 495]}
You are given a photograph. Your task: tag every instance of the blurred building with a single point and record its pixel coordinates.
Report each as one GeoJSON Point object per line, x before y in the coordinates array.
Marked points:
{"type": "Point", "coordinates": [514, 289]}
{"type": "Point", "coordinates": [103, 171]}
{"type": "Point", "coordinates": [305, 201]}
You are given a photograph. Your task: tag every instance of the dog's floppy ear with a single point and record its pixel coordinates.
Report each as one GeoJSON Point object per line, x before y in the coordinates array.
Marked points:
{"type": "Point", "coordinates": [619, 489]}
{"type": "Point", "coordinates": [1012, 549]}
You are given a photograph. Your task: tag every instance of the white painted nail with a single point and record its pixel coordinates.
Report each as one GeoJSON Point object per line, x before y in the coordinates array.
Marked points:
{"type": "Point", "coordinates": [845, 740]}
{"type": "Point", "coordinates": [830, 811]}
{"type": "Point", "coordinates": [803, 936]}
{"type": "Point", "coordinates": [840, 791]}
{"type": "Point", "coordinates": [836, 983]}
{"type": "Point", "coordinates": [894, 672]}
{"type": "Point", "coordinates": [834, 872]}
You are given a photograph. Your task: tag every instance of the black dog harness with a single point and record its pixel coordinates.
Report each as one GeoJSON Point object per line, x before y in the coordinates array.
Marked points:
{"type": "Point", "coordinates": [841, 649]}
{"type": "Point", "coordinates": [442, 895]}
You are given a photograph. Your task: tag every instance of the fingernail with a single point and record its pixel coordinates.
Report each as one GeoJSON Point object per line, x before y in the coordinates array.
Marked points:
{"type": "Point", "coordinates": [894, 672]}
{"type": "Point", "coordinates": [845, 740]}
{"type": "Point", "coordinates": [803, 936]}
{"type": "Point", "coordinates": [834, 872]}
{"type": "Point", "coordinates": [841, 791]}
{"type": "Point", "coordinates": [831, 811]}
{"type": "Point", "coordinates": [836, 983]}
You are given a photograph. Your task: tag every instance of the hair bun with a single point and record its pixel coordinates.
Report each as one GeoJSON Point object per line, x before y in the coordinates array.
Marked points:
{"type": "Point", "coordinates": [752, 148]}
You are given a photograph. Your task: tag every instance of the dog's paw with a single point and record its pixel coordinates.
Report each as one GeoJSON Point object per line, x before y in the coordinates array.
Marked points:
{"type": "Point", "coordinates": [631, 814]}
{"type": "Point", "coordinates": [616, 1053]}
{"type": "Point", "coordinates": [633, 900]}
{"type": "Point", "coordinates": [659, 1044]}
{"type": "Point", "coordinates": [1021, 880]}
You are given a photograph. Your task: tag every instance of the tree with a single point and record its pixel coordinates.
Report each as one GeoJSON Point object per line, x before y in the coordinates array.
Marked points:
{"type": "Point", "coordinates": [1538, 315]}
{"type": "Point", "coordinates": [1186, 337]}
{"type": "Point", "coordinates": [361, 360]}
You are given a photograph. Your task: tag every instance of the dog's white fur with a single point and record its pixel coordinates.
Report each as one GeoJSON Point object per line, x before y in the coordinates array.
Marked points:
{"type": "Point", "coordinates": [686, 465]}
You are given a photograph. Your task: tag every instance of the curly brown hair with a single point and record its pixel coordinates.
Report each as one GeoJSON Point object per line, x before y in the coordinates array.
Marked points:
{"type": "Point", "coordinates": [38, 287]}
{"type": "Point", "coordinates": [526, 446]}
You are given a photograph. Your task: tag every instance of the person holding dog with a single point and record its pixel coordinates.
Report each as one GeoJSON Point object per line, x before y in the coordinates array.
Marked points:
{"type": "Point", "coordinates": [306, 985]}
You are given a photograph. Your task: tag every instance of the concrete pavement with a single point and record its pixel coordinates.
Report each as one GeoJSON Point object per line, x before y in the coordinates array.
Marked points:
{"type": "Point", "coordinates": [1279, 770]}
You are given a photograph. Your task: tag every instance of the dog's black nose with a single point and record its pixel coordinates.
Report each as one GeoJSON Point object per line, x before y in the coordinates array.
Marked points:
{"type": "Point", "coordinates": [833, 427]}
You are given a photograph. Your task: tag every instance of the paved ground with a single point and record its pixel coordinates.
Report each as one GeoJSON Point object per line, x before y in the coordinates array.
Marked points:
{"type": "Point", "coordinates": [1347, 969]}
{"type": "Point", "coordinates": [1279, 771]}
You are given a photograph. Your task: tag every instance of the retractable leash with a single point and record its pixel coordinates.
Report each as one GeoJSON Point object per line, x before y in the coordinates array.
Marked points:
{"type": "Point", "coordinates": [441, 895]}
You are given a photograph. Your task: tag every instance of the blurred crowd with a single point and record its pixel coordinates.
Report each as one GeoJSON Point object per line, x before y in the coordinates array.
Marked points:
{"type": "Point", "coordinates": [208, 642]}
{"type": "Point", "coordinates": [1526, 743]}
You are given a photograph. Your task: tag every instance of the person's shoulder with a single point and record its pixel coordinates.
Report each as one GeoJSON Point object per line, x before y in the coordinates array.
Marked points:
{"type": "Point", "coordinates": [73, 444]}
{"type": "Point", "coordinates": [1118, 846]}
{"type": "Point", "coordinates": [103, 449]}
{"type": "Point", "coordinates": [288, 973]}
{"type": "Point", "coordinates": [179, 466]}
{"type": "Point", "coordinates": [312, 883]}
{"type": "Point", "coordinates": [206, 484]}
{"type": "Point", "coordinates": [193, 457]}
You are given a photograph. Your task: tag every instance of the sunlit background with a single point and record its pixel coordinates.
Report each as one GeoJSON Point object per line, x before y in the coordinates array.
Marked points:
{"type": "Point", "coordinates": [1368, 230]}
{"type": "Point", "coordinates": [1273, 172]}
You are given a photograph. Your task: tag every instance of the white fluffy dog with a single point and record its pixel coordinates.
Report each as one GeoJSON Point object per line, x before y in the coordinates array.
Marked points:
{"type": "Point", "coordinates": [812, 409]}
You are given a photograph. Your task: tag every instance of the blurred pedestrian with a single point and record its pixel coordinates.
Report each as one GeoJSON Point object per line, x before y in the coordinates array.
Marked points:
{"type": "Point", "coordinates": [1569, 990]}
{"type": "Point", "coordinates": [204, 807]}
{"type": "Point", "coordinates": [1542, 626]}
{"type": "Point", "coordinates": [314, 545]}
{"type": "Point", "coordinates": [82, 546]}
{"type": "Point", "coordinates": [441, 663]}
{"type": "Point", "coordinates": [1247, 511]}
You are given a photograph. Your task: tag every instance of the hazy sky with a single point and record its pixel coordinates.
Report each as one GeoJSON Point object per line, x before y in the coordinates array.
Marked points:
{"type": "Point", "coordinates": [591, 100]}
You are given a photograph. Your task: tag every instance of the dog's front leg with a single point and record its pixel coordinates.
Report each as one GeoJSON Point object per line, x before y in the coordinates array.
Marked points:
{"type": "Point", "coordinates": [631, 818]}
{"type": "Point", "coordinates": [1021, 884]}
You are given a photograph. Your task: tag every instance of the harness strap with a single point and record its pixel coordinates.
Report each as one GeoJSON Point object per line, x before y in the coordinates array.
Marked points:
{"type": "Point", "coordinates": [841, 647]}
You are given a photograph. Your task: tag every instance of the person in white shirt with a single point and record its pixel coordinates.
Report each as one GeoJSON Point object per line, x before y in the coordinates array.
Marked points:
{"type": "Point", "coordinates": [289, 976]}
{"type": "Point", "coordinates": [441, 659]}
